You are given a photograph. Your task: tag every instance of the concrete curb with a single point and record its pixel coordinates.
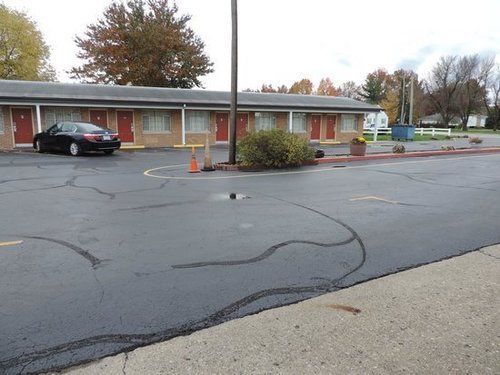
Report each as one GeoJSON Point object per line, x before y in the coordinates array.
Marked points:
{"type": "Point", "coordinates": [415, 154]}
{"type": "Point", "coordinates": [435, 319]}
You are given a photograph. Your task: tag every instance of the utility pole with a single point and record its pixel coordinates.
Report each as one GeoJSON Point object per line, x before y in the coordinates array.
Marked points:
{"type": "Point", "coordinates": [410, 121]}
{"type": "Point", "coordinates": [402, 118]}
{"type": "Point", "coordinates": [234, 82]}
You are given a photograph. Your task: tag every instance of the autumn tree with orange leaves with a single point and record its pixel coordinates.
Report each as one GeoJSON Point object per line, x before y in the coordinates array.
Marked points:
{"type": "Point", "coordinates": [304, 87]}
{"type": "Point", "coordinates": [326, 87]}
{"type": "Point", "coordinates": [142, 42]}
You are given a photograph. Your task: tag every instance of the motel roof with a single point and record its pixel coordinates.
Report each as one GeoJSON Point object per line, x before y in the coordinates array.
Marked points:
{"type": "Point", "coordinates": [51, 93]}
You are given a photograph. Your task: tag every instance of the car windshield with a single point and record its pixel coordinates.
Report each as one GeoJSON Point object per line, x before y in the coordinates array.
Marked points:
{"type": "Point", "coordinates": [90, 128]}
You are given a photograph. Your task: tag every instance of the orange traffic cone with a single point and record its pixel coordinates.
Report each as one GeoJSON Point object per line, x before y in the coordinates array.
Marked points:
{"type": "Point", "coordinates": [193, 167]}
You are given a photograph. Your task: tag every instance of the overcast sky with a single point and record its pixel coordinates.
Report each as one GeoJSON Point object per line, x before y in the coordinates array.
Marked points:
{"type": "Point", "coordinates": [284, 40]}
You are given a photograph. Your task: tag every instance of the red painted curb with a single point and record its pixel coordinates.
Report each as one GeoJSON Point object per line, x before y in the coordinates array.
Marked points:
{"type": "Point", "coordinates": [415, 154]}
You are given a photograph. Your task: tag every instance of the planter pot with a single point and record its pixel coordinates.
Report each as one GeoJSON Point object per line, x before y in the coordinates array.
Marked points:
{"type": "Point", "coordinates": [403, 132]}
{"type": "Point", "coordinates": [358, 149]}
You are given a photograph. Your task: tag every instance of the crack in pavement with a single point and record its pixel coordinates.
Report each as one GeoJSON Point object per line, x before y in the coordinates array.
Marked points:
{"type": "Point", "coordinates": [370, 197]}
{"type": "Point", "coordinates": [161, 205]}
{"type": "Point", "coordinates": [37, 189]}
{"type": "Point", "coordinates": [490, 255]}
{"type": "Point", "coordinates": [266, 254]}
{"type": "Point", "coordinates": [71, 182]}
{"type": "Point", "coordinates": [94, 261]}
{"type": "Point", "coordinates": [125, 363]}
{"type": "Point", "coordinates": [24, 179]}
{"type": "Point", "coordinates": [135, 340]}
{"type": "Point", "coordinates": [423, 181]}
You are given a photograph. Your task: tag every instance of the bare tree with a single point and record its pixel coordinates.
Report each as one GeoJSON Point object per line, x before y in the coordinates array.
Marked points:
{"type": "Point", "coordinates": [350, 89]}
{"type": "Point", "coordinates": [474, 72]}
{"type": "Point", "coordinates": [492, 97]}
{"type": "Point", "coordinates": [442, 85]}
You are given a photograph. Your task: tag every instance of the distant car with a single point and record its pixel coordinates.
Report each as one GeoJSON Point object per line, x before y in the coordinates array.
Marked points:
{"type": "Point", "coordinates": [77, 138]}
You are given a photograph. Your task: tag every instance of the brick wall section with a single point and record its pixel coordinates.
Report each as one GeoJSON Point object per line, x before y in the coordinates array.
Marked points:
{"type": "Point", "coordinates": [282, 121]}
{"type": "Point", "coordinates": [251, 122]}
{"type": "Point", "coordinates": [174, 137]}
{"type": "Point", "coordinates": [85, 114]}
{"type": "Point", "coordinates": [346, 137]}
{"type": "Point", "coordinates": [6, 137]}
{"type": "Point", "coordinates": [112, 119]}
{"type": "Point", "coordinates": [309, 125]}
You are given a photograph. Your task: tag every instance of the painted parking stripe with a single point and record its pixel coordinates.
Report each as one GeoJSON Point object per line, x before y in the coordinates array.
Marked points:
{"type": "Point", "coordinates": [150, 172]}
{"type": "Point", "coordinates": [11, 243]}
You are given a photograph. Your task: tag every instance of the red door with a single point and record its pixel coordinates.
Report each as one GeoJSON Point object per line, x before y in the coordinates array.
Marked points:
{"type": "Point", "coordinates": [315, 127]}
{"type": "Point", "coordinates": [23, 125]}
{"type": "Point", "coordinates": [222, 121]}
{"type": "Point", "coordinates": [125, 121]}
{"type": "Point", "coordinates": [241, 125]}
{"type": "Point", "coordinates": [99, 117]}
{"type": "Point", "coordinates": [330, 127]}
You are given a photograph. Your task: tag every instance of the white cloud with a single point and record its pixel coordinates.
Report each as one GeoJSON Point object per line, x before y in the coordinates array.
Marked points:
{"type": "Point", "coordinates": [284, 40]}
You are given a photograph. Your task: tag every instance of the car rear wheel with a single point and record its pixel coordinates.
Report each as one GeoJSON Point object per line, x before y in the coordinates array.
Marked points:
{"type": "Point", "coordinates": [75, 149]}
{"type": "Point", "coordinates": [109, 152]}
{"type": "Point", "coordinates": [39, 147]}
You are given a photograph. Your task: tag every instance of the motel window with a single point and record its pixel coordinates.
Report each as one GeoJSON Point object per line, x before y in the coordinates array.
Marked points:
{"type": "Point", "coordinates": [53, 115]}
{"type": "Point", "coordinates": [1, 121]}
{"type": "Point", "coordinates": [156, 122]}
{"type": "Point", "coordinates": [265, 121]}
{"type": "Point", "coordinates": [197, 121]}
{"type": "Point", "coordinates": [299, 124]}
{"type": "Point", "coordinates": [349, 124]}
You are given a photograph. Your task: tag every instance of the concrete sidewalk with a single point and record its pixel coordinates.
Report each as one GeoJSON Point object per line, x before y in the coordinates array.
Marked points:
{"type": "Point", "coordinates": [441, 318]}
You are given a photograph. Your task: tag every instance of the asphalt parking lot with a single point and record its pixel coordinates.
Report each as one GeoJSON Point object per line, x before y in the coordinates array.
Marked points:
{"type": "Point", "coordinates": [102, 258]}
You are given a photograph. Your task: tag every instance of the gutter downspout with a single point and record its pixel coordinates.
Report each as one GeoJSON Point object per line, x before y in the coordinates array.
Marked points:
{"type": "Point", "coordinates": [290, 122]}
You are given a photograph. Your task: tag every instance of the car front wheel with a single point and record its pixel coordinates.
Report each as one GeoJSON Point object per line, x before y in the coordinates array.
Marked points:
{"type": "Point", "coordinates": [75, 149]}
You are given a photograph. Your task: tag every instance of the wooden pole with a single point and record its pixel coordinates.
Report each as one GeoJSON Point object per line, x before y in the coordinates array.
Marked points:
{"type": "Point", "coordinates": [402, 117]}
{"type": "Point", "coordinates": [410, 122]}
{"type": "Point", "coordinates": [234, 82]}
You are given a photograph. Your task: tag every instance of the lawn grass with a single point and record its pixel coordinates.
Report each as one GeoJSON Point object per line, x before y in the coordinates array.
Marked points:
{"type": "Point", "coordinates": [418, 137]}
{"type": "Point", "coordinates": [473, 130]}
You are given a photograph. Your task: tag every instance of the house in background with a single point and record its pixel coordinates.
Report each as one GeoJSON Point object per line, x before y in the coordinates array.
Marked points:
{"type": "Point", "coordinates": [166, 117]}
{"type": "Point", "coordinates": [376, 119]}
{"type": "Point", "coordinates": [475, 121]}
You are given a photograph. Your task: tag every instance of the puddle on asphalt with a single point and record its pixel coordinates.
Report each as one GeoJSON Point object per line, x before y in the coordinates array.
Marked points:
{"type": "Point", "coordinates": [234, 196]}
{"type": "Point", "coordinates": [230, 196]}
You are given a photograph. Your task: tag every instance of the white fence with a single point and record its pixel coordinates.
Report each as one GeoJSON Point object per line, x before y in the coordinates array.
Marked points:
{"type": "Point", "coordinates": [420, 131]}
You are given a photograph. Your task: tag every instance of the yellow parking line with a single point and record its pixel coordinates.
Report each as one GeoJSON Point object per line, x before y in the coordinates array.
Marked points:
{"type": "Point", "coordinates": [10, 243]}
{"type": "Point", "coordinates": [150, 172]}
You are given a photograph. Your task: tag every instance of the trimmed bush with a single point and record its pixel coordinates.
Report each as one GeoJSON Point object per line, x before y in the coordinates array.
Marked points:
{"type": "Point", "coordinates": [274, 149]}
